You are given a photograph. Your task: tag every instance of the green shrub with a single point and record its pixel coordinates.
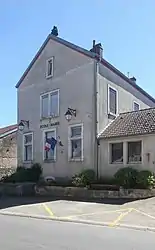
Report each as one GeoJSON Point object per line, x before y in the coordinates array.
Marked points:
{"type": "Point", "coordinates": [79, 181]}
{"type": "Point", "coordinates": [86, 177]}
{"type": "Point", "coordinates": [145, 179]}
{"type": "Point", "coordinates": [126, 177]}
{"type": "Point", "coordinates": [22, 174]}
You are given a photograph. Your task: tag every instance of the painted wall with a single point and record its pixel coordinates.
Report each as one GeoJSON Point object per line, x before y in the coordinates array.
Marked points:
{"type": "Point", "coordinates": [148, 147]}
{"type": "Point", "coordinates": [126, 96]}
{"type": "Point", "coordinates": [74, 77]}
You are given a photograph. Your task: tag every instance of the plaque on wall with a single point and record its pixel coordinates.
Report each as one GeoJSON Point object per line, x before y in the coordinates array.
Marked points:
{"type": "Point", "coordinates": [49, 125]}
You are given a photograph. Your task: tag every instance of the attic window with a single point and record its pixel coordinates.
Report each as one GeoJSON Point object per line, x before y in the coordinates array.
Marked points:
{"type": "Point", "coordinates": [49, 67]}
{"type": "Point", "coordinates": [136, 106]}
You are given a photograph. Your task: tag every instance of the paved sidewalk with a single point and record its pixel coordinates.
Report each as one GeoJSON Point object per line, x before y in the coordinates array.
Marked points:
{"type": "Point", "coordinates": [138, 214]}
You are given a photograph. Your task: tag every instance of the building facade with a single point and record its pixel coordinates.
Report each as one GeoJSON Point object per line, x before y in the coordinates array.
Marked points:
{"type": "Point", "coordinates": [63, 78]}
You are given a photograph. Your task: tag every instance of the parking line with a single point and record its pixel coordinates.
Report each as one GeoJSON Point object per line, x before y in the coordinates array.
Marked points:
{"type": "Point", "coordinates": [143, 213]}
{"type": "Point", "coordinates": [96, 213]}
{"type": "Point", "coordinates": [120, 217]}
{"type": "Point", "coordinates": [48, 210]}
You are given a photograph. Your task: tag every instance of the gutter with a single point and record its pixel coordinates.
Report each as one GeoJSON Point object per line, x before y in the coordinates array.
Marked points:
{"type": "Point", "coordinates": [96, 151]}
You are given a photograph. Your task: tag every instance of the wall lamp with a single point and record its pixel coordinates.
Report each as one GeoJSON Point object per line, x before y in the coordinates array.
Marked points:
{"type": "Point", "coordinates": [69, 113]}
{"type": "Point", "coordinates": [22, 124]}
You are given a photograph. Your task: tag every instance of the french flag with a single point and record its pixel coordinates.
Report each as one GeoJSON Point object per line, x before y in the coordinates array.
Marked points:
{"type": "Point", "coordinates": [47, 145]}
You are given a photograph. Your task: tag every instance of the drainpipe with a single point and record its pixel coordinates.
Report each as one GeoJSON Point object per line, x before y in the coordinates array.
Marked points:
{"type": "Point", "coordinates": [96, 70]}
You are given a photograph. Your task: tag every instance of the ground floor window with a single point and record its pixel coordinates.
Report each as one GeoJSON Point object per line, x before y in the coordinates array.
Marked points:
{"type": "Point", "coordinates": [134, 151]}
{"type": "Point", "coordinates": [49, 147]}
{"type": "Point", "coordinates": [76, 142]}
{"type": "Point", "coordinates": [116, 152]}
{"type": "Point", "coordinates": [28, 146]}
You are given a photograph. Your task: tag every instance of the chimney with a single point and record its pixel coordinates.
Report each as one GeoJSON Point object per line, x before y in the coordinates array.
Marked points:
{"type": "Point", "coordinates": [97, 49]}
{"type": "Point", "coordinates": [133, 79]}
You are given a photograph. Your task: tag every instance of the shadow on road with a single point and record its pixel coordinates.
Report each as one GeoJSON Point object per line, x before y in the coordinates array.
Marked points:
{"type": "Point", "coordinates": [6, 202]}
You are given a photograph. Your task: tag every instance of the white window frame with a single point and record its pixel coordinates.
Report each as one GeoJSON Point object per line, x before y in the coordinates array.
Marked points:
{"type": "Point", "coordinates": [49, 98]}
{"type": "Point", "coordinates": [47, 64]}
{"type": "Point", "coordinates": [43, 140]}
{"type": "Point", "coordinates": [110, 153]}
{"type": "Point", "coordinates": [109, 112]}
{"type": "Point", "coordinates": [25, 134]}
{"type": "Point", "coordinates": [70, 139]}
{"type": "Point", "coordinates": [134, 102]}
{"type": "Point", "coordinates": [134, 162]}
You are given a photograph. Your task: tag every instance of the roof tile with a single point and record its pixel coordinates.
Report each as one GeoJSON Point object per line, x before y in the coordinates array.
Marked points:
{"type": "Point", "coordinates": [7, 129]}
{"type": "Point", "coordinates": [131, 123]}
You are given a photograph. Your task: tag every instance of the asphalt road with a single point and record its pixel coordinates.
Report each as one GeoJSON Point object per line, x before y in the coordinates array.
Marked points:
{"type": "Point", "coordinates": [23, 233]}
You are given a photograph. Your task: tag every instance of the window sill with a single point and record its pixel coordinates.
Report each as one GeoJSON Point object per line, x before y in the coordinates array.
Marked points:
{"type": "Point", "coordinates": [134, 162]}
{"type": "Point", "coordinates": [48, 77]}
{"type": "Point", "coordinates": [28, 162]}
{"type": "Point", "coordinates": [116, 163]}
{"type": "Point", "coordinates": [49, 117]}
{"type": "Point", "coordinates": [76, 159]}
{"type": "Point", "coordinates": [50, 161]}
{"type": "Point", "coordinates": [111, 116]}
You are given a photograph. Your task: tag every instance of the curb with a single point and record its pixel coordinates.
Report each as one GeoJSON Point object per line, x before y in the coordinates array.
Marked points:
{"type": "Point", "coordinates": [86, 222]}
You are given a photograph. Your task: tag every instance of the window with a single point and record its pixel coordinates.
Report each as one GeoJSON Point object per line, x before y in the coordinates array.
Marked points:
{"type": "Point", "coordinates": [51, 154]}
{"type": "Point", "coordinates": [76, 142]}
{"type": "Point", "coordinates": [134, 151]}
{"type": "Point", "coordinates": [44, 106]}
{"type": "Point", "coordinates": [50, 104]}
{"type": "Point", "coordinates": [112, 101]}
{"type": "Point", "coordinates": [136, 106]}
{"type": "Point", "coordinates": [116, 152]}
{"type": "Point", "coordinates": [54, 103]}
{"type": "Point", "coordinates": [28, 147]}
{"type": "Point", "coordinates": [49, 68]}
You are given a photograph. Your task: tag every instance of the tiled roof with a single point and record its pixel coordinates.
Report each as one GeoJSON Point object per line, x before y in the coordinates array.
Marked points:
{"type": "Point", "coordinates": [131, 123]}
{"type": "Point", "coordinates": [7, 129]}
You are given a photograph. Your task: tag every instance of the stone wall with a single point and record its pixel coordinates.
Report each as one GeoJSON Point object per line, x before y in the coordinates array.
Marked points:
{"type": "Point", "coordinates": [8, 151]}
{"type": "Point", "coordinates": [84, 193]}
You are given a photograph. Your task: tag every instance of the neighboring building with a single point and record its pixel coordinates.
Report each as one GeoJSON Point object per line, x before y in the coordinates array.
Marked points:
{"type": "Point", "coordinates": [8, 147]}
{"type": "Point", "coordinates": [128, 141]}
{"type": "Point", "coordinates": [62, 77]}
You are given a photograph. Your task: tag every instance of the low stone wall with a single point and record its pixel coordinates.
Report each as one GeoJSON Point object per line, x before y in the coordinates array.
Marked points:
{"type": "Point", "coordinates": [31, 189]}
{"type": "Point", "coordinates": [77, 192]}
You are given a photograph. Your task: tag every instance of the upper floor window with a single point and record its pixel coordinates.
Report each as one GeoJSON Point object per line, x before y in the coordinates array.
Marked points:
{"type": "Point", "coordinates": [49, 68]}
{"type": "Point", "coordinates": [28, 147]}
{"type": "Point", "coordinates": [112, 101]}
{"type": "Point", "coordinates": [136, 106]}
{"type": "Point", "coordinates": [50, 104]}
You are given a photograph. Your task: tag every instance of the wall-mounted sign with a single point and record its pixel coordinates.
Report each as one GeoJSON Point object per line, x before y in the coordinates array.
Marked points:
{"type": "Point", "coordinates": [49, 125]}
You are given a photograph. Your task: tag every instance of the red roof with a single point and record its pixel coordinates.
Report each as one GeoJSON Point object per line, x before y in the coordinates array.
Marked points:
{"type": "Point", "coordinates": [7, 129]}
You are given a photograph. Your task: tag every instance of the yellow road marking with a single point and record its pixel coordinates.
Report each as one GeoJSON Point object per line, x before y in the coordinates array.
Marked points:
{"type": "Point", "coordinates": [103, 212]}
{"type": "Point", "coordinates": [120, 217]}
{"type": "Point", "coordinates": [48, 210]}
{"type": "Point", "coordinates": [141, 212]}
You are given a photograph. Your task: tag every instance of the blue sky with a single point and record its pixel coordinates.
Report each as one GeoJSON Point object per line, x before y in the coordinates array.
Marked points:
{"type": "Point", "coordinates": [126, 30]}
